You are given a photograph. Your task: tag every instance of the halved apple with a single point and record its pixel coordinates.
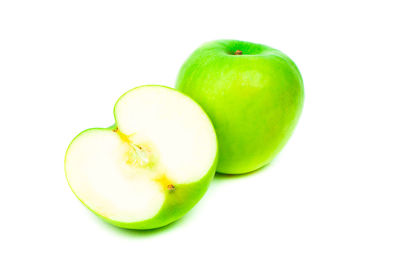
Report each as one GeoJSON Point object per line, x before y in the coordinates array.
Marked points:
{"type": "Point", "coordinates": [150, 168]}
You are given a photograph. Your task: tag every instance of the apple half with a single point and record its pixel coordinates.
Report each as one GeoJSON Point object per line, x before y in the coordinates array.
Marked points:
{"type": "Point", "coordinates": [152, 166]}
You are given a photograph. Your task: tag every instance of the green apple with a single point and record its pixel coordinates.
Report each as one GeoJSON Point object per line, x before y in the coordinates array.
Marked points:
{"type": "Point", "coordinates": [253, 95]}
{"type": "Point", "coordinates": [150, 168]}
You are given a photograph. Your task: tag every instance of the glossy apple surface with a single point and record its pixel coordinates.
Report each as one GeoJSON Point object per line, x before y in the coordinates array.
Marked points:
{"type": "Point", "coordinates": [253, 95]}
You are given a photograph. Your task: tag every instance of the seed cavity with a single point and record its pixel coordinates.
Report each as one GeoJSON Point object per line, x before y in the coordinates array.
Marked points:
{"type": "Point", "coordinates": [137, 155]}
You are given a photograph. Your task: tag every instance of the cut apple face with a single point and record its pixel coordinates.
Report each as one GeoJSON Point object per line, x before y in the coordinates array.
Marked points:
{"type": "Point", "coordinates": [149, 169]}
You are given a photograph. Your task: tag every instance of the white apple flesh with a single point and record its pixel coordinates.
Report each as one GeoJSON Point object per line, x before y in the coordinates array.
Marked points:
{"type": "Point", "coordinates": [152, 167]}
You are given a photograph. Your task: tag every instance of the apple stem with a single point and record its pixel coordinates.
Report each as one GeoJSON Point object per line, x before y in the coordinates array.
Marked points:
{"type": "Point", "coordinates": [171, 187]}
{"type": "Point", "coordinates": [238, 52]}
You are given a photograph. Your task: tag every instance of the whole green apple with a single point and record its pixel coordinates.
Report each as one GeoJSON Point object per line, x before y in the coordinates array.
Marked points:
{"type": "Point", "coordinates": [253, 95]}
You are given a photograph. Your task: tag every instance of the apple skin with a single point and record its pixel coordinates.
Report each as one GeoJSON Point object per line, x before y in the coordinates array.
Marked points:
{"type": "Point", "coordinates": [177, 202]}
{"type": "Point", "coordinates": [254, 99]}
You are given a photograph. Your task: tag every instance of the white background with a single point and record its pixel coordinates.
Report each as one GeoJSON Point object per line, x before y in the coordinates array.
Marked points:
{"type": "Point", "coordinates": [331, 198]}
